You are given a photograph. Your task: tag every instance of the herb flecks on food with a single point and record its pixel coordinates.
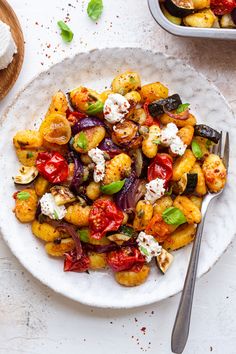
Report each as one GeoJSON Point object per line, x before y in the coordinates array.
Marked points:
{"type": "Point", "coordinates": [82, 141]}
{"type": "Point", "coordinates": [182, 107]}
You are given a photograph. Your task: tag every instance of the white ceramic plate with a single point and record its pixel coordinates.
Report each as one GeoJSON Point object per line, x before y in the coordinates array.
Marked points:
{"type": "Point", "coordinates": [96, 70]}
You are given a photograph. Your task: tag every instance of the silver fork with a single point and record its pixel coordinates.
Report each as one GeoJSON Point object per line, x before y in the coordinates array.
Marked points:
{"type": "Point", "coordinates": [182, 321]}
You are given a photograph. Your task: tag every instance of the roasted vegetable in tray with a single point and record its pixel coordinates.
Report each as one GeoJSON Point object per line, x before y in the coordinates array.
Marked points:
{"type": "Point", "coordinates": [116, 179]}
{"type": "Point", "coordinates": [201, 13]}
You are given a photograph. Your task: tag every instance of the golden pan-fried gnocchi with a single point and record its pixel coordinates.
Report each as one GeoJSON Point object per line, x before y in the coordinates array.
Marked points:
{"type": "Point", "coordinates": [117, 178]}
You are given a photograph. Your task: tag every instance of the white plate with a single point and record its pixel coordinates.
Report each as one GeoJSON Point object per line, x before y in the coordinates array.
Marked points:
{"type": "Point", "coordinates": [96, 70]}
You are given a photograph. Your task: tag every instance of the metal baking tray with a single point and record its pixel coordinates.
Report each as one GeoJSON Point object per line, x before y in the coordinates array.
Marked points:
{"type": "Point", "coordinates": [216, 33]}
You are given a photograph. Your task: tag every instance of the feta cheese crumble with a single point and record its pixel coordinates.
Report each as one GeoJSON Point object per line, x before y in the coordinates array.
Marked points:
{"type": "Point", "coordinates": [154, 190]}
{"type": "Point", "coordinates": [148, 246]}
{"type": "Point", "coordinates": [115, 108]}
{"type": "Point", "coordinates": [170, 138]}
{"type": "Point", "coordinates": [97, 157]}
{"type": "Point", "coordinates": [50, 208]}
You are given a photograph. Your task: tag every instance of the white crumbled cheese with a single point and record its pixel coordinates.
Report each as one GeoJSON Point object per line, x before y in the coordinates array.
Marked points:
{"type": "Point", "coordinates": [148, 246]}
{"type": "Point", "coordinates": [115, 108]}
{"type": "Point", "coordinates": [154, 190]}
{"type": "Point", "coordinates": [50, 208]}
{"type": "Point", "coordinates": [7, 47]}
{"type": "Point", "coordinates": [170, 138]}
{"type": "Point", "coordinates": [97, 156]}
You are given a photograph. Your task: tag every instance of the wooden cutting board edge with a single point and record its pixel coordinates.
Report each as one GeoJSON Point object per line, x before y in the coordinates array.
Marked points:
{"type": "Point", "coordinates": [9, 75]}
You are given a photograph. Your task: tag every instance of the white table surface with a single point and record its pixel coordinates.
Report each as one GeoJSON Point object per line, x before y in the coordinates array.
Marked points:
{"type": "Point", "coordinates": [35, 320]}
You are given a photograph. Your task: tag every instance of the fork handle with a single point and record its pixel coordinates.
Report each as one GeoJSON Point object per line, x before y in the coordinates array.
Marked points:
{"type": "Point", "coordinates": [182, 321]}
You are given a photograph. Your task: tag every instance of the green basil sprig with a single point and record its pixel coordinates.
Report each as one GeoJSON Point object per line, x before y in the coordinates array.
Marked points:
{"type": "Point", "coordinates": [94, 9]}
{"type": "Point", "coordinates": [196, 149]}
{"type": "Point", "coordinates": [82, 141]}
{"type": "Point", "coordinates": [173, 216]}
{"type": "Point", "coordinates": [95, 108]}
{"type": "Point", "coordinates": [113, 187]}
{"type": "Point", "coordinates": [66, 33]}
{"type": "Point", "coordinates": [182, 107]}
{"type": "Point", "coordinates": [23, 195]}
{"type": "Point", "coordinates": [83, 235]}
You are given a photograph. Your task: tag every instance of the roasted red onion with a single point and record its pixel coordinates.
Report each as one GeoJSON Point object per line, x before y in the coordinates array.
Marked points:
{"type": "Point", "coordinates": [77, 179]}
{"type": "Point", "coordinates": [181, 116]}
{"type": "Point", "coordinates": [70, 230]}
{"type": "Point", "coordinates": [85, 123]}
{"type": "Point", "coordinates": [108, 146]}
{"type": "Point", "coordinates": [130, 194]}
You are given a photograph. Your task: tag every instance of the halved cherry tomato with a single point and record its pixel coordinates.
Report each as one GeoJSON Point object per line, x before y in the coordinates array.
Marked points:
{"type": "Point", "coordinates": [56, 129]}
{"type": "Point", "coordinates": [74, 116]}
{"type": "Point", "coordinates": [158, 228]}
{"type": "Point", "coordinates": [125, 258]}
{"type": "Point", "coordinates": [104, 216]}
{"type": "Point", "coordinates": [161, 167]}
{"type": "Point", "coordinates": [222, 7]}
{"type": "Point", "coordinates": [72, 264]}
{"type": "Point", "coordinates": [149, 119]}
{"type": "Point", "coordinates": [52, 166]}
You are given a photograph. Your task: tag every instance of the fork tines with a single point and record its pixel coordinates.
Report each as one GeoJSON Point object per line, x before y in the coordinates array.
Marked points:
{"type": "Point", "coordinates": [217, 148]}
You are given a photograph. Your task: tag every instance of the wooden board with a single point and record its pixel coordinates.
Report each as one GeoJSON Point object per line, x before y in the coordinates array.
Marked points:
{"type": "Point", "coordinates": [9, 75]}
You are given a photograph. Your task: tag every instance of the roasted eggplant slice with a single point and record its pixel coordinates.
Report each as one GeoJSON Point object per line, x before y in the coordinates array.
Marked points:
{"type": "Point", "coordinates": [179, 8]}
{"type": "Point", "coordinates": [187, 184]}
{"type": "Point", "coordinates": [164, 260]}
{"type": "Point", "coordinates": [156, 108]}
{"type": "Point", "coordinates": [26, 175]}
{"type": "Point", "coordinates": [207, 132]}
{"type": "Point", "coordinates": [62, 195]}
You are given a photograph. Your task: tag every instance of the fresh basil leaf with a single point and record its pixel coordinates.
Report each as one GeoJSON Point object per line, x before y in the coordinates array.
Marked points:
{"type": "Point", "coordinates": [82, 141]}
{"type": "Point", "coordinates": [113, 187]}
{"type": "Point", "coordinates": [196, 149]}
{"type": "Point", "coordinates": [129, 231]}
{"type": "Point", "coordinates": [23, 195]}
{"type": "Point", "coordinates": [66, 33]}
{"type": "Point", "coordinates": [95, 108]}
{"type": "Point", "coordinates": [56, 217]}
{"type": "Point", "coordinates": [94, 9]}
{"type": "Point", "coordinates": [29, 155]}
{"type": "Point", "coordinates": [182, 107]}
{"type": "Point", "coordinates": [169, 192]}
{"type": "Point", "coordinates": [173, 216]}
{"type": "Point", "coordinates": [144, 251]}
{"type": "Point", "coordinates": [84, 235]}
{"type": "Point", "coordinates": [156, 141]}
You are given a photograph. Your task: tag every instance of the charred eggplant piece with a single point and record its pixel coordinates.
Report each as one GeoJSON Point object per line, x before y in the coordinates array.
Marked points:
{"type": "Point", "coordinates": [156, 108]}
{"type": "Point", "coordinates": [179, 8]}
{"type": "Point", "coordinates": [164, 260]}
{"type": "Point", "coordinates": [207, 132]}
{"type": "Point", "coordinates": [26, 175]}
{"type": "Point", "coordinates": [62, 195]}
{"type": "Point", "coordinates": [187, 184]}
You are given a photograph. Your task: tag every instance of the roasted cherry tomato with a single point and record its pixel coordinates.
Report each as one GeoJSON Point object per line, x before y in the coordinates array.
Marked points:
{"type": "Point", "coordinates": [149, 119]}
{"type": "Point", "coordinates": [161, 167]}
{"type": "Point", "coordinates": [104, 216]}
{"type": "Point", "coordinates": [52, 166]}
{"type": "Point", "coordinates": [56, 129]}
{"type": "Point", "coordinates": [74, 116]}
{"type": "Point", "coordinates": [222, 7]}
{"type": "Point", "coordinates": [158, 228]}
{"type": "Point", "coordinates": [125, 258]}
{"type": "Point", "coordinates": [72, 264]}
